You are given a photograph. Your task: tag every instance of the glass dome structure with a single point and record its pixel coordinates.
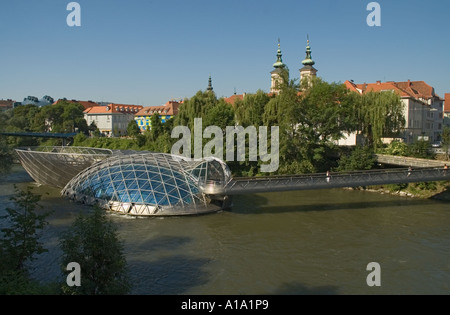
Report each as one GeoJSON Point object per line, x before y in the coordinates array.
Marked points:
{"type": "Point", "coordinates": [152, 184]}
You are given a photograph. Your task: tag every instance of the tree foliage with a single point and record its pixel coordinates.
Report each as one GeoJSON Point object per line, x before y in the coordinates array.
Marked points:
{"type": "Point", "coordinates": [379, 114]}
{"type": "Point", "coordinates": [133, 129]}
{"type": "Point", "coordinates": [6, 156]}
{"type": "Point", "coordinates": [93, 242]}
{"type": "Point", "coordinates": [360, 158]}
{"type": "Point", "coordinates": [20, 240]}
{"type": "Point", "coordinates": [446, 141]}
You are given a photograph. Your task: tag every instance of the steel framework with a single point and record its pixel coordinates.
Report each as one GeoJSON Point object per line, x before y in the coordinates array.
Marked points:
{"type": "Point", "coordinates": [55, 166]}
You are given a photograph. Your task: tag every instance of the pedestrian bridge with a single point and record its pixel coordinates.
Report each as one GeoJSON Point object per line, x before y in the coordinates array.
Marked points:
{"type": "Point", "coordinates": [248, 185]}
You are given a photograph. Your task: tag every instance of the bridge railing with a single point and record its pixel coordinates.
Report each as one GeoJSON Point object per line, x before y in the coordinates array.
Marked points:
{"type": "Point", "coordinates": [334, 180]}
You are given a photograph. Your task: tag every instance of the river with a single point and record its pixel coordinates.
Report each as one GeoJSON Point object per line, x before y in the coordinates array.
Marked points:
{"type": "Point", "coordinates": [305, 242]}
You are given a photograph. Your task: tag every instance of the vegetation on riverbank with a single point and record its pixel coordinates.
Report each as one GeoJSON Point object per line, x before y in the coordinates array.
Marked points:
{"type": "Point", "coordinates": [92, 241]}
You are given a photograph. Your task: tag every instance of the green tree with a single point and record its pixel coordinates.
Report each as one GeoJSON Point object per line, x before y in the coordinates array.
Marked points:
{"type": "Point", "coordinates": [93, 242]}
{"type": "Point", "coordinates": [20, 240]}
{"type": "Point", "coordinates": [420, 149]}
{"type": "Point", "coordinates": [220, 115]}
{"type": "Point", "coordinates": [6, 156]}
{"type": "Point", "coordinates": [156, 127]}
{"type": "Point", "coordinates": [379, 114]}
{"type": "Point", "coordinates": [446, 141]}
{"type": "Point", "coordinates": [361, 158]}
{"type": "Point", "coordinates": [250, 110]}
{"type": "Point", "coordinates": [133, 129]}
{"type": "Point", "coordinates": [195, 107]}
{"type": "Point", "coordinates": [310, 123]}
{"type": "Point", "coordinates": [397, 148]}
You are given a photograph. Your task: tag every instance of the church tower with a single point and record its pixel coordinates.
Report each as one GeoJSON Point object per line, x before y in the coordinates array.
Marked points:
{"type": "Point", "coordinates": [308, 71]}
{"type": "Point", "coordinates": [275, 75]}
{"type": "Point", "coordinates": [209, 88]}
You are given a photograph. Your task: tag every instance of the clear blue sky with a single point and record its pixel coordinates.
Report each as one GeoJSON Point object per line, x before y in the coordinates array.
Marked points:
{"type": "Point", "coordinates": [147, 52]}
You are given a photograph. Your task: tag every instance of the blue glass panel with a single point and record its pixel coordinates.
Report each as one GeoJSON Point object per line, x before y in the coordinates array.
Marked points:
{"type": "Point", "coordinates": [173, 200]}
{"type": "Point", "coordinates": [127, 167]}
{"type": "Point", "coordinates": [135, 196]}
{"type": "Point", "coordinates": [154, 176]}
{"type": "Point", "coordinates": [123, 196]}
{"type": "Point", "coordinates": [141, 174]}
{"type": "Point", "coordinates": [117, 176]}
{"type": "Point", "coordinates": [159, 188]}
{"type": "Point", "coordinates": [114, 169]}
{"type": "Point", "coordinates": [119, 185]}
{"type": "Point", "coordinates": [128, 174]}
{"type": "Point", "coordinates": [159, 197]}
{"type": "Point", "coordinates": [139, 167]}
{"type": "Point", "coordinates": [152, 168]}
{"type": "Point", "coordinates": [165, 171]}
{"type": "Point", "coordinates": [163, 201]}
{"type": "Point", "coordinates": [144, 184]}
{"type": "Point", "coordinates": [180, 182]}
{"type": "Point", "coordinates": [131, 184]}
{"type": "Point", "coordinates": [148, 198]}
{"type": "Point", "coordinates": [170, 181]}
{"type": "Point", "coordinates": [102, 173]}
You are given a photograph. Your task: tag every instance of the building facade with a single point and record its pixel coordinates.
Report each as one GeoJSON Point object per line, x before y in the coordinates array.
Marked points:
{"type": "Point", "coordinates": [113, 119]}
{"type": "Point", "coordinates": [423, 109]}
{"type": "Point", "coordinates": [165, 112]}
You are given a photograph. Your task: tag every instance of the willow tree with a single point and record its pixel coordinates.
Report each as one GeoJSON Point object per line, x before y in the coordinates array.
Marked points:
{"type": "Point", "coordinates": [195, 107]}
{"type": "Point", "coordinates": [250, 110]}
{"type": "Point", "coordinates": [380, 114]}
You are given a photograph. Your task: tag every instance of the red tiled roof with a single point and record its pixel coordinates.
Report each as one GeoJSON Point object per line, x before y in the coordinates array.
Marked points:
{"type": "Point", "coordinates": [447, 102]}
{"type": "Point", "coordinates": [6, 103]}
{"type": "Point", "coordinates": [170, 108]}
{"type": "Point", "coordinates": [413, 89]}
{"type": "Point", "coordinates": [114, 108]}
{"type": "Point", "coordinates": [233, 98]}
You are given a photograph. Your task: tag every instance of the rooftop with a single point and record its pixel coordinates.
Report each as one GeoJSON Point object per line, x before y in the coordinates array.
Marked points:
{"type": "Point", "coordinates": [170, 109]}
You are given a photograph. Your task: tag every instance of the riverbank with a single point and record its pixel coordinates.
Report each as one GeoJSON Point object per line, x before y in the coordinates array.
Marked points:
{"type": "Point", "coordinates": [431, 190]}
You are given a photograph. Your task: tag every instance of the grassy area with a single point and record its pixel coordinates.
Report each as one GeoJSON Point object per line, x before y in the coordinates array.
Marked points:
{"type": "Point", "coordinates": [424, 190]}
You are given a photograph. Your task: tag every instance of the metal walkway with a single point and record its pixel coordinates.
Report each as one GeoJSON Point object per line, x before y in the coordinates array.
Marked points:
{"type": "Point", "coordinates": [249, 185]}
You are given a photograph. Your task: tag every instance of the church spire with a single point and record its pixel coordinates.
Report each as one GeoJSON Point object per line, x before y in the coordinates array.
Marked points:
{"type": "Point", "coordinates": [209, 88]}
{"type": "Point", "coordinates": [308, 61]}
{"type": "Point", "coordinates": [279, 63]}
{"type": "Point", "coordinates": [308, 71]}
{"type": "Point", "coordinates": [276, 76]}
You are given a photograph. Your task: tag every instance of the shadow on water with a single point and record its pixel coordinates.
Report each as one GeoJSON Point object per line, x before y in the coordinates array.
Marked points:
{"type": "Point", "coordinates": [257, 204]}
{"type": "Point", "coordinates": [169, 275]}
{"type": "Point", "coordinates": [294, 288]}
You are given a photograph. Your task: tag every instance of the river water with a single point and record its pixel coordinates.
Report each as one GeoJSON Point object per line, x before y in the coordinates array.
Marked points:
{"type": "Point", "coordinates": [306, 242]}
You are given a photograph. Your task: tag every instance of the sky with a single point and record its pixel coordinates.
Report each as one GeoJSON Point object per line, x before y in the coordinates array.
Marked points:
{"type": "Point", "coordinates": [148, 52]}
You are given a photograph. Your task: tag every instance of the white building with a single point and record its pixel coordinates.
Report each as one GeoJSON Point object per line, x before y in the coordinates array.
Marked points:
{"type": "Point", "coordinates": [113, 119]}
{"type": "Point", "coordinates": [423, 108]}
